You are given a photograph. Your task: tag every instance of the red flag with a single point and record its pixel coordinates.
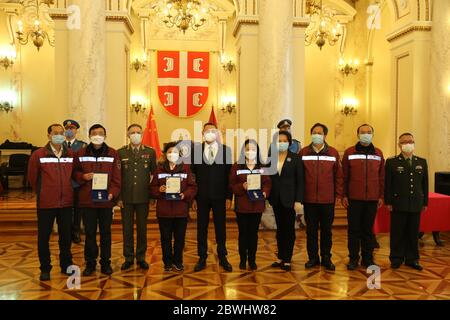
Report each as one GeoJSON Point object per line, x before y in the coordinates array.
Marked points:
{"type": "Point", "coordinates": [151, 138]}
{"type": "Point", "coordinates": [212, 117]}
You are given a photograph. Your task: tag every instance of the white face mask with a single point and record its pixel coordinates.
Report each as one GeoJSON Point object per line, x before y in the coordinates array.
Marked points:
{"type": "Point", "coordinates": [136, 138]}
{"type": "Point", "coordinates": [210, 136]}
{"type": "Point", "coordinates": [250, 155]}
{"type": "Point", "coordinates": [173, 157]}
{"type": "Point", "coordinates": [97, 139]}
{"type": "Point", "coordinates": [408, 148]}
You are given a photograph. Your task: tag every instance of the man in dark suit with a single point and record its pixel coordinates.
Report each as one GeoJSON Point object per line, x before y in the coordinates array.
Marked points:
{"type": "Point", "coordinates": [211, 165]}
{"type": "Point", "coordinates": [406, 196]}
{"type": "Point", "coordinates": [71, 129]}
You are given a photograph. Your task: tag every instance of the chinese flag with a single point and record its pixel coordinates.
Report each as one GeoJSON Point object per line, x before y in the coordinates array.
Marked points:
{"type": "Point", "coordinates": [212, 117]}
{"type": "Point", "coordinates": [151, 138]}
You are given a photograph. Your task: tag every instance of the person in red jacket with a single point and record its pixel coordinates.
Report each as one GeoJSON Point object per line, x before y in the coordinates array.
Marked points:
{"type": "Point", "coordinates": [323, 184]}
{"type": "Point", "coordinates": [172, 213]}
{"type": "Point", "coordinates": [249, 209]}
{"type": "Point", "coordinates": [50, 176]}
{"type": "Point", "coordinates": [95, 162]}
{"type": "Point", "coordinates": [363, 167]}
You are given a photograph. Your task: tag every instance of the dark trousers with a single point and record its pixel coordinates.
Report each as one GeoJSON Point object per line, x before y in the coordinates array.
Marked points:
{"type": "Point", "coordinates": [76, 222]}
{"type": "Point", "coordinates": [360, 218]}
{"type": "Point", "coordinates": [204, 207]}
{"type": "Point", "coordinates": [129, 211]}
{"type": "Point", "coordinates": [172, 228]}
{"type": "Point", "coordinates": [248, 224]}
{"type": "Point", "coordinates": [101, 217]}
{"type": "Point", "coordinates": [319, 216]}
{"type": "Point", "coordinates": [403, 237]}
{"type": "Point", "coordinates": [46, 219]}
{"type": "Point", "coordinates": [285, 220]}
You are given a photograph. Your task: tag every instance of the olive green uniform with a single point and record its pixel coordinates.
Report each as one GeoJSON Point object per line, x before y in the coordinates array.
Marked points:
{"type": "Point", "coordinates": [406, 190]}
{"type": "Point", "coordinates": [137, 168]}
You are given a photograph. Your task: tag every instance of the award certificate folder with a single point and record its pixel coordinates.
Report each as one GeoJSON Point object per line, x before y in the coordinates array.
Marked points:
{"type": "Point", "coordinates": [173, 188]}
{"type": "Point", "coordinates": [100, 187]}
{"type": "Point", "coordinates": [254, 187]}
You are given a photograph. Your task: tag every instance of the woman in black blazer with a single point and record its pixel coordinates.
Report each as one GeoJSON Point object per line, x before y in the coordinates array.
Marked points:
{"type": "Point", "coordinates": [286, 195]}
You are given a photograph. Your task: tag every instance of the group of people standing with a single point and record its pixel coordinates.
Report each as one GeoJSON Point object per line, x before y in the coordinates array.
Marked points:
{"type": "Point", "coordinates": [74, 179]}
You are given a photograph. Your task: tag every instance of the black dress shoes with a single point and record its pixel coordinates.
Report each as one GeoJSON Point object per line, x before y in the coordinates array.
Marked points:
{"type": "Point", "coordinates": [201, 264]}
{"type": "Point", "coordinates": [328, 265]}
{"type": "Point", "coordinates": [45, 276]}
{"type": "Point", "coordinates": [286, 266]}
{"type": "Point", "coordinates": [143, 265]}
{"type": "Point", "coordinates": [243, 265]}
{"type": "Point", "coordinates": [312, 263]}
{"type": "Point", "coordinates": [352, 265]}
{"type": "Point", "coordinates": [276, 264]}
{"type": "Point", "coordinates": [88, 271]}
{"type": "Point", "coordinates": [225, 265]}
{"type": "Point", "coordinates": [395, 265]}
{"type": "Point", "coordinates": [415, 265]}
{"type": "Point", "coordinates": [107, 270]}
{"type": "Point", "coordinates": [253, 266]}
{"type": "Point", "coordinates": [126, 265]}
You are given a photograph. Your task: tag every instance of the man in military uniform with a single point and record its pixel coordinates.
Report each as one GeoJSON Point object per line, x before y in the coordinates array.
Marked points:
{"type": "Point", "coordinates": [138, 164]}
{"type": "Point", "coordinates": [406, 196]}
{"type": "Point", "coordinates": [71, 129]}
{"type": "Point", "coordinates": [285, 125]}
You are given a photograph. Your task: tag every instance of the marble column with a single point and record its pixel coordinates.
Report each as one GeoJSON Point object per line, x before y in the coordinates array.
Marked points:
{"type": "Point", "coordinates": [276, 67]}
{"type": "Point", "coordinates": [439, 135]}
{"type": "Point", "coordinates": [87, 65]}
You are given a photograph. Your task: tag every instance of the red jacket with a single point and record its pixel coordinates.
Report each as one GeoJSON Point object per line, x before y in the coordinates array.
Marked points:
{"type": "Point", "coordinates": [51, 178]}
{"type": "Point", "coordinates": [173, 208]}
{"type": "Point", "coordinates": [242, 202]}
{"type": "Point", "coordinates": [323, 175]}
{"type": "Point", "coordinates": [106, 161]}
{"type": "Point", "coordinates": [363, 173]}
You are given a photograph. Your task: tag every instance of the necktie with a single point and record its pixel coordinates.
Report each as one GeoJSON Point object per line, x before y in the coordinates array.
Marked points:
{"type": "Point", "coordinates": [69, 144]}
{"type": "Point", "coordinates": [409, 162]}
{"type": "Point", "coordinates": [135, 151]}
{"type": "Point", "coordinates": [211, 155]}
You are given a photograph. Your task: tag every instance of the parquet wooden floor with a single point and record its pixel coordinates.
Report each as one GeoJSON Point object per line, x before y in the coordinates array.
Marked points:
{"type": "Point", "coordinates": [19, 273]}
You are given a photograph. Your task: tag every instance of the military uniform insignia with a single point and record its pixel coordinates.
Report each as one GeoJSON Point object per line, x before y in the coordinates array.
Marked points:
{"type": "Point", "coordinates": [288, 159]}
{"type": "Point", "coordinates": [419, 167]}
{"type": "Point", "coordinates": [400, 169]}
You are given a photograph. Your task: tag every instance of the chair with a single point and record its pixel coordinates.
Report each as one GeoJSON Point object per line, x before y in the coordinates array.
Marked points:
{"type": "Point", "coordinates": [16, 166]}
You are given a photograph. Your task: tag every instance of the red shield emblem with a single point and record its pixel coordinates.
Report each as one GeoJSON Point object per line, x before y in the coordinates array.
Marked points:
{"type": "Point", "coordinates": [183, 81]}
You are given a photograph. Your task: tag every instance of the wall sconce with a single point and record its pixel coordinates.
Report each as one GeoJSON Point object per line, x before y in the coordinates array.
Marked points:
{"type": "Point", "coordinates": [349, 106]}
{"type": "Point", "coordinates": [139, 63]}
{"type": "Point", "coordinates": [138, 105]}
{"type": "Point", "coordinates": [348, 67]}
{"type": "Point", "coordinates": [7, 101]}
{"type": "Point", "coordinates": [228, 105]}
{"type": "Point", "coordinates": [227, 66]}
{"type": "Point", "coordinates": [7, 57]}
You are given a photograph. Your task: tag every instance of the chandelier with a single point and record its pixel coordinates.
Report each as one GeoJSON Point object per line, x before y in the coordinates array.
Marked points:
{"type": "Point", "coordinates": [184, 14]}
{"type": "Point", "coordinates": [35, 16]}
{"type": "Point", "coordinates": [323, 27]}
